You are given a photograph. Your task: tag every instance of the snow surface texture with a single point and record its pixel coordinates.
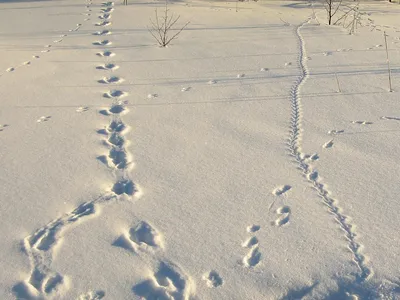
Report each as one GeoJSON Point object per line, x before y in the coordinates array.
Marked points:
{"type": "Point", "coordinates": [255, 157]}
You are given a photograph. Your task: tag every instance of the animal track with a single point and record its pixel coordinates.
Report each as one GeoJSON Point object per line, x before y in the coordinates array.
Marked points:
{"type": "Point", "coordinates": [102, 43]}
{"type": "Point", "coordinates": [264, 69]}
{"type": "Point", "coordinates": [213, 279]}
{"type": "Point", "coordinates": [43, 119]}
{"type": "Point", "coordinates": [249, 243]}
{"type": "Point", "coordinates": [105, 17]}
{"type": "Point", "coordinates": [152, 96]}
{"type": "Point", "coordinates": [253, 228]}
{"type": "Point", "coordinates": [125, 186]}
{"type": "Point", "coordinates": [240, 75]}
{"type": "Point", "coordinates": [112, 79]}
{"type": "Point", "coordinates": [141, 237]}
{"type": "Point", "coordinates": [107, 10]}
{"type": "Point", "coordinates": [106, 54]}
{"type": "Point", "coordinates": [43, 282]}
{"type": "Point", "coordinates": [45, 51]}
{"type": "Point", "coordinates": [362, 122]}
{"type": "Point", "coordinates": [185, 89]}
{"type": "Point", "coordinates": [281, 190]}
{"type": "Point", "coordinates": [82, 109]}
{"type": "Point", "coordinates": [335, 132]}
{"type": "Point", "coordinates": [115, 94]}
{"type": "Point", "coordinates": [168, 282]}
{"type": "Point", "coordinates": [328, 144]}
{"type": "Point", "coordinates": [96, 295]}
{"type": "Point", "coordinates": [212, 82]}
{"type": "Point", "coordinates": [391, 118]}
{"type": "Point", "coordinates": [253, 258]}
{"type": "Point", "coordinates": [111, 67]}
{"type": "Point", "coordinates": [103, 32]}
{"type": "Point", "coordinates": [104, 23]}
{"type": "Point", "coordinates": [312, 157]}
{"type": "Point", "coordinates": [2, 127]}
{"type": "Point", "coordinates": [10, 69]}
{"type": "Point", "coordinates": [284, 216]}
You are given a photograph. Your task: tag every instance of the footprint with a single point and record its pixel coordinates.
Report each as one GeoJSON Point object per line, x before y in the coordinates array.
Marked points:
{"type": "Point", "coordinates": [115, 109]}
{"type": "Point", "coordinates": [11, 69]}
{"type": "Point", "coordinates": [116, 139]}
{"type": "Point", "coordinates": [36, 56]}
{"type": "Point", "coordinates": [112, 79]}
{"type": "Point", "coordinates": [115, 94]}
{"type": "Point", "coordinates": [104, 23]}
{"type": "Point", "coordinates": [111, 67]}
{"type": "Point", "coordinates": [185, 89]}
{"type": "Point", "coordinates": [108, 3]}
{"type": "Point", "coordinates": [107, 10]}
{"type": "Point", "coordinates": [141, 237]}
{"type": "Point", "coordinates": [125, 186]}
{"type": "Point", "coordinates": [335, 132]}
{"type": "Point", "coordinates": [312, 157]}
{"type": "Point", "coordinates": [103, 32]}
{"type": "Point", "coordinates": [26, 63]}
{"type": "Point", "coordinates": [378, 46]}
{"type": "Point", "coordinates": [328, 53]}
{"type": "Point", "coordinates": [253, 228]}
{"type": "Point", "coordinates": [249, 243]}
{"type": "Point", "coordinates": [288, 64]}
{"type": "Point", "coordinates": [47, 46]}
{"type": "Point", "coordinates": [391, 118]}
{"type": "Point", "coordinates": [58, 41]}
{"type": "Point", "coordinates": [102, 43]}
{"type": "Point", "coordinates": [362, 122]}
{"type": "Point", "coordinates": [152, 96]}
{"type": "Point", "coordinates": [95, 295]}
{"type": "Point", "coordinates": [43, 119]}
{"type": "Point", "coordinates": [45, 51]}
{"type": "Point", "coordinates": [240, 75]}
{"type": "Point", "coordinates": [264, 69]}
{"type": "Point", "coordinates": [328, 144]}
{"type": "Point", "coordinates": [281, 190]}
{"type": "Point", "coordinates": [105, 17]}
{"type": "Point", "coordinates": [213, 279]}
{"type": "Point", "coordinates": [284, 215]}
{"type": "Point", "coordinates": [212, 82]}
{"type": "Point", "coordinates": [168, 282]}
{"type": "Point", "coordinates": [82, 109]}
{"type": "Point", "coordinates": [2, 127]}
{"type": "Point", "coordinates": [313, 175]}
{"type": "Point", "coordinates": [106, 54]}
{"type": "Point", "coordinates": [253, 258]}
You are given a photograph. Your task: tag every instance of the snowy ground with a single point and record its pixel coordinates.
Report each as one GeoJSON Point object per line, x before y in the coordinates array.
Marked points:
{"type": "Point", "coordinates": [225, 166]}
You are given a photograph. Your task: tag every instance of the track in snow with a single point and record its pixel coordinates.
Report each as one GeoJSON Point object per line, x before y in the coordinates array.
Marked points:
{"type": "Point", "coordinates": [312, 175]}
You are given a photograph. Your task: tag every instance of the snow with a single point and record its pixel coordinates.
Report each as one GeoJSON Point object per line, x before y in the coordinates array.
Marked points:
{"type": "Point", "coordinates": [255, 157]}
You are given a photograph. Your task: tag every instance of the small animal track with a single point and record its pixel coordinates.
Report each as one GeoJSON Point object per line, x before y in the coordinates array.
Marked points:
{"type": "Point", "coordinates": [43, 119]}
{"type": "Point", "coordinates": [106, 54]}
{"type": "Point", "coordinates": [328, 144]}
{"type": "Point", "coordinates": [335, 132]}
{"type": "Point", "coordinates": [168, 282]}
{"type": "Point", "coordinates": [152, 96]}
{"type": "Point", "coordinates": [102, 43]}
{"type": "Point", "coordinates": [115, 94]}
{"type": "Point", "coordinates": [362, 122]}
{"type": "Point", "coordinates": [103, 32]}
{"type": "Point", "coordinates": [249, 243]}
{"type": "Point", "coordinates": [264, 69]}
{"type": "Point", "coordinates": [112, 79]}
{"type": "Point", "coordinates": [253, 228]}
{"type": "Point", "coordinates": [95, 295]}
{"type": "Point", "coordinates": [212, 279]}
{"type": "Point", "coordinates": [107, 10]}
{"type": "Point", "coordinates": [2, 127]}
{"type": "Point", "coordinates": [391, 118]}
{"type": "Point", "coordinates": [142, 237]}
{"type": "Point", "coordinates": [103, 24]}
{"type": "Point", "coordinates": [281, 190]}
{"type": "Point", "coordinates": [186, 89]}
{"type": "Point", "coordinates": [212, 82]}
{"type": "Point", "coordinates": [240, 75]}
{"type": "Point", "coordinates": [11, 69]}
{"type": "Point", "coordinates": [253, 258]}
{"type": "Point", "coordinates": [111, 67]}
{"type": "Point", "coordinates": [105, 17]}
{"type": "Point", "coordinates": [125, 187]}
{"type": "Point", "coordinates": [82, 109]}
{"type": "Point", "coordinates": [284, 216]}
